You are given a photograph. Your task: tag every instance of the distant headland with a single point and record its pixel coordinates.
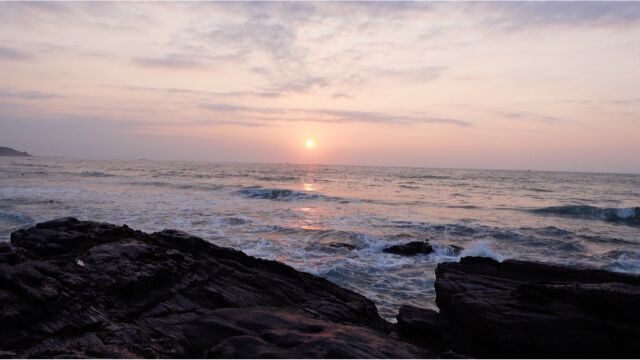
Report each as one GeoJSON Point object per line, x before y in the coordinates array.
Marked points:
{"type": "Point", "coordinates": [7, 151]}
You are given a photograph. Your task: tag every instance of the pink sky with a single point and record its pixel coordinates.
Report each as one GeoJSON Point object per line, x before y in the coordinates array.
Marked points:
{"type": "Point", "coordinates": [535, 85]}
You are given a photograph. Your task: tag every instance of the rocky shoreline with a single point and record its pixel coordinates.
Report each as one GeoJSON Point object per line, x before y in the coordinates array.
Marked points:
{"type": "Point", "coordinates": [7, 151]}
{"type": "Point", "coordinates": [71, 288]}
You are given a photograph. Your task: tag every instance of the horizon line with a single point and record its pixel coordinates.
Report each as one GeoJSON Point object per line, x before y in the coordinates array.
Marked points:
{"type": "Point", "coordinates": [595, 172]}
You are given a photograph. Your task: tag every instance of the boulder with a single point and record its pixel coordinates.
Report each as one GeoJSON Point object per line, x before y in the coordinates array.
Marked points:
{"type": "Point", "coordinates": [525, 309]}
{"type": "Point", "coordinates": [72, 288]}
{"type": "Point", "coordinates": [410, 248]}
{"type": "Point", "coordinates": [420, 247]}
{"type": "Point", "coordinates": [422, 325]}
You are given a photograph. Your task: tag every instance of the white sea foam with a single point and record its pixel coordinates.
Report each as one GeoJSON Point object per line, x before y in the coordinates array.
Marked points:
{"type": "Point", "coordinates": [277, 194]}
{"type": "Point", "coordinates": [624, 215]}
{"type": "Point", "coordinates": [15, 217]}
{"type": "Point", "coordinates": [627, 213]}
{"type": "Point", "coordinates": [482, 248]}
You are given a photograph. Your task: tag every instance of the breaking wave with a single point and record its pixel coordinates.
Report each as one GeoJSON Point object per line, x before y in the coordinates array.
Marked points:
{"type": "Point", "coordinates": [484, 249]}
{"type": "Point", "coordinates": [627, 215]}
{"type": "Point", "coordinates": [276, 194]}
{"type": "Point", "coordinates": [355, 244]}
{"type": "Point", "coordinates": [15, 218]}
{"type": "Point", "coordinates": [257, 192]}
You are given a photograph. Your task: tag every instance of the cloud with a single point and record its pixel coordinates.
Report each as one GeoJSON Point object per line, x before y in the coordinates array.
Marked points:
{"type": "Point", "coordinates": [422, 74]}
{"type": "Point", "coordinates": [523, 15]}
{"type": "Point", "coordinates": [263, 37]}
{"type": "Point", "coordinates": [531, 117]}
{"type": "Point", "coordinates": [182, 91]}
{"type": "Point", "coordinates": [256, 33]}
{"type": "Point", "coordinates": [8, 53]}
{"type": "Point", "coordinates": [268, 114]}
{"type": "Point", "coordinates": [222, 107]}
{"type": "Point", "coordinates": [301, 83]}
{"type": "Point", "coordinates": [231, 123]}
{"type": "Point", "coordinates": [341, 95]}
{"type": "Point", "coordinates": [175, 61]}
{"type": "Point", "coordinates": [88, 15]}
{"type": "Point", "coordinates": [622, 101]}
{"type": "Point", "coordinates": [26, 95]}
{"type": "Point", "coordinates": [344, 116]}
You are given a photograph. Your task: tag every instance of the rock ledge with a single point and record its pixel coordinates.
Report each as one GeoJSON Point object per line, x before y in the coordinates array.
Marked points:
{"type": "Point", "coordinates": [72, 288]}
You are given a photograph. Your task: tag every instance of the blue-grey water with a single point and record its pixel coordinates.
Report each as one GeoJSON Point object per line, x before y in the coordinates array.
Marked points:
{"type": "Point", "coordinates": [293, 213]}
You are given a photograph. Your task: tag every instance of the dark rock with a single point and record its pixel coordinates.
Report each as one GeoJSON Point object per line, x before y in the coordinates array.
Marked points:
{"type": "Point", "coordinates": [410, 248]}
{"type": "Point", "coordinates": [339, 245]}
{"type": "Point", "coordinates": [274, 332]}
{"type": "Point", "coordinates": [524, 309]}
{"type": "Point", "coordinates": [6, 151]}
{"type": "Point", "coordinates": [419, 324]}
{"type": "Point", "coordinates": [72, 288]}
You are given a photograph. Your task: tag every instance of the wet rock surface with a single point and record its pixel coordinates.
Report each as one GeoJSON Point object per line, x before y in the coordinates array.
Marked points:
{"type": "Point", "coordinates": [410, 248]}
{"type": "Point", "coordinates": [420, 325]}
{"type": "Point", "coordinates": [72, 288]}
{"type": "Point", "coordinates": [524, 309]}
{"type": "Point", "coordinates": [413, 248]}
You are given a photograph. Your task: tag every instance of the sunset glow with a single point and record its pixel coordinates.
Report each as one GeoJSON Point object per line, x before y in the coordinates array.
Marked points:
{"type": "Point", "coordinates": [515, 85]}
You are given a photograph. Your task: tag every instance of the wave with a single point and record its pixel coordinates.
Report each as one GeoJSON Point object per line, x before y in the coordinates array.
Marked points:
{"type": "Point", "coordinates": [523, 236]}
{"type": "Point", "coordinates": [482, 248]}
{"type": "Point", "coordinates": [276, 194]}
{"type": "Point", "coordinates": [621, 260]}
{"type": "Point", "coordinates": [463, 207]}
{"type": "Point", "coordinates": [277, 178]}
{"type": "Point", "coordinates": [163, 184]}
{"type": "Point", "coordinates": [95, 174]}
{"type": "Point", "coordinates": [409, 186]}
{"type": "Point", "coordinates": [456, 230]}
{"type": "Point", "coordinates": [234, 221]}
{"type": "Point", "coordinates": [626, 215]}
{"type": "Point", "coordinates": [15, 218]}
{"type": "Point", "coordinates": [550, 231]}
{"type": "Point", "coordinates": [258, 192]}
{"type": "Point", "coordinates": [539, 190]}
{"type": "Point", "coordinates": [29, 165]}
{"type": "Point", "coordinates": [205, 187]}
{"type": "Point", "coordinates": [425, 177]}
{"type": "Point", "coordinates": [372, 246]}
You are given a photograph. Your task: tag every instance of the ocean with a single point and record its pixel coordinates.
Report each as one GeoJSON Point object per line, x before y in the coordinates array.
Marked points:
{"type": "Point", "coordinates": [303, 215]}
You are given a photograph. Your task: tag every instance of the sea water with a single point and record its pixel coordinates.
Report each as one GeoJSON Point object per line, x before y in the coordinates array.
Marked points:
{"type": "Point", "coordinates": [303, 215]}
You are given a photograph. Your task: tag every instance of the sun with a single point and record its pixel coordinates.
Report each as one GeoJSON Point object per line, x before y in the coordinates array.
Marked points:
{"type": "Point", "coordinates": [310, 143]}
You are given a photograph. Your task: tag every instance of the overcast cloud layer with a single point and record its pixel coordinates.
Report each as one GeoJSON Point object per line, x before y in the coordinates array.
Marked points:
{"type": "Point", "coordinates": [534, 85]}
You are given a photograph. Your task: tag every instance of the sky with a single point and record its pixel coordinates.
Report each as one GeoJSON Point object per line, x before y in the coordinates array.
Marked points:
{"type": "Point", "coordinates": [523, 85]}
